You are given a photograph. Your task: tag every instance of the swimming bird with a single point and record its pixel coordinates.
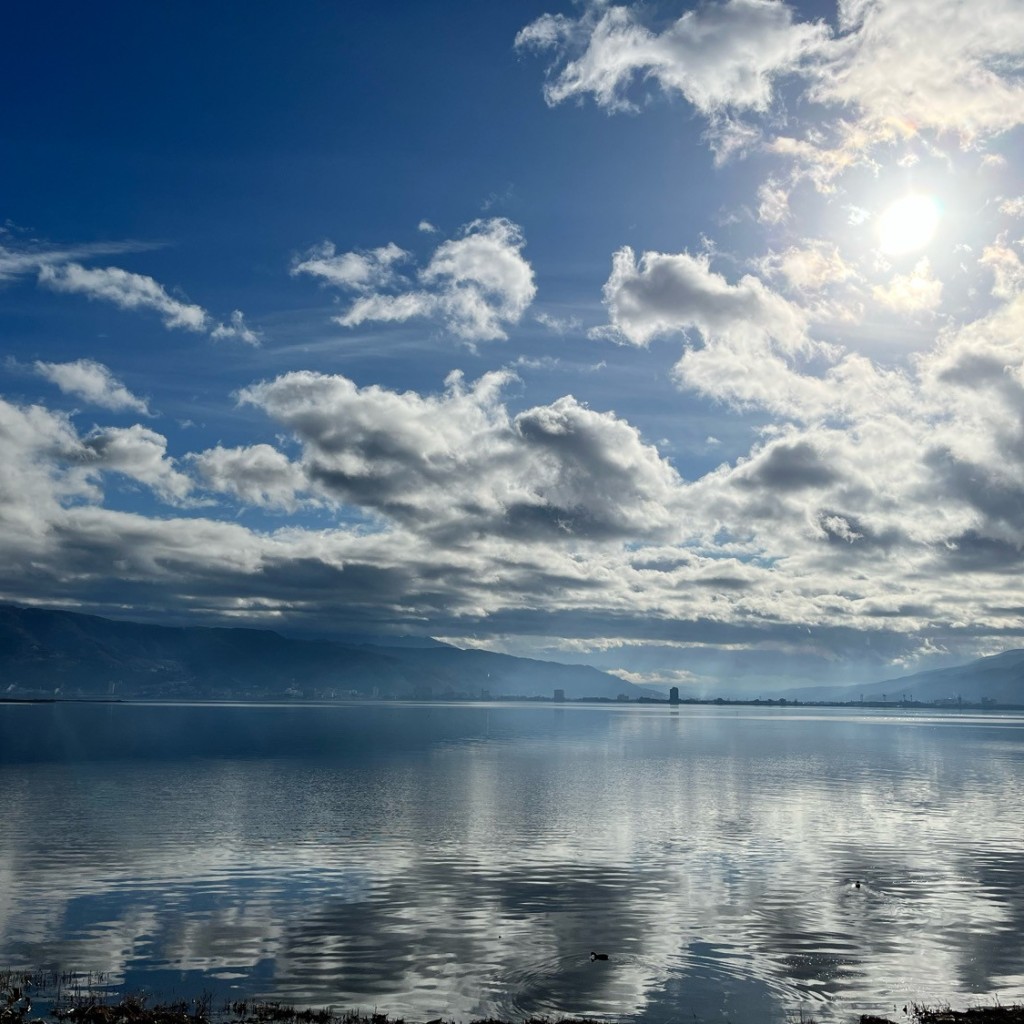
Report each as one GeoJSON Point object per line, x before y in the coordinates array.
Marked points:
{"type": "Point", "coordinates": [598, 956]}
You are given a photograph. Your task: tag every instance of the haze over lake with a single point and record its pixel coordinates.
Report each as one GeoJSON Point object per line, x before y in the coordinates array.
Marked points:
{"type": "Point", "coordinates": [436, 860]}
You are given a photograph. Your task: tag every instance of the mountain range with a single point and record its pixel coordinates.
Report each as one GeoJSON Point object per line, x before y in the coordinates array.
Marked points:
{"type": "Point", "coordinates": [60, 653]}
{"type": "Point", "coordinates": [999, 678]}
{"type": "Point", "coordinates": [49, 653]}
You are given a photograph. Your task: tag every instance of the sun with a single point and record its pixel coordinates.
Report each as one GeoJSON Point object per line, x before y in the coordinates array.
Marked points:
{"type": "Point", "coordinates": [908, 225]}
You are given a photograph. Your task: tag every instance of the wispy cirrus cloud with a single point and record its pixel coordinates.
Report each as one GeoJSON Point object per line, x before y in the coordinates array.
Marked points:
{"type": "Point", "coordinates": [18, 258]}
{"type": "Point", "coordinates": [58, 269]}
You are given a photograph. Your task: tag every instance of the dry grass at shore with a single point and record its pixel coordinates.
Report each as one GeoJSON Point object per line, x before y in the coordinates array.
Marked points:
{"type": "Point", "coordinates": [70, 999]}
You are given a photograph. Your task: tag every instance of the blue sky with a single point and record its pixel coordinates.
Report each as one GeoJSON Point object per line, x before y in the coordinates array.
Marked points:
{"type": "Point", "coordinates": [683, 340]}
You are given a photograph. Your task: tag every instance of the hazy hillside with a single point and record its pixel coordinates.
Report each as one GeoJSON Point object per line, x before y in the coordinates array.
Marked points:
{"type": "Point", "coordinates": [999, 677]}
{"type": "Point", "coordinates": [44, 651]}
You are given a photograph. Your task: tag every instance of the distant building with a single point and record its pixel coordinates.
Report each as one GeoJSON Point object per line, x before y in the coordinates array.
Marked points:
{"type": "Point", "coordinates": [559, 696]}
{"type": "Point", "coordinates": [673, 695]}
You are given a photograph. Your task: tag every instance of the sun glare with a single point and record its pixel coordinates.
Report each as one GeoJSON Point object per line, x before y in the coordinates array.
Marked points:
{"type": "Point", "coordinates": [908, 225]}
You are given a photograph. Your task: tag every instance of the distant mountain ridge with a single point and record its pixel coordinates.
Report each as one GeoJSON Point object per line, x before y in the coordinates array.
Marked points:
{"type": "Point", "coordinates": [998, 677]}
{"type": "Point", "coordinates": [43, 651]}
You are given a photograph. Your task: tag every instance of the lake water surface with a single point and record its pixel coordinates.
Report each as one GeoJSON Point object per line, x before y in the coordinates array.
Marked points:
{"type": "Point", "coordinates": [464, 860]}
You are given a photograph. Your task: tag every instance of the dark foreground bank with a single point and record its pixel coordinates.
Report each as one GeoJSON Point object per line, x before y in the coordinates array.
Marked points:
{"type": "Point", "coordinates": [41, 998]}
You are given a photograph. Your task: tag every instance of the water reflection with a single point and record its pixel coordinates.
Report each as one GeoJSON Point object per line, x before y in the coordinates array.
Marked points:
{"type": "Point", "coordinates": [464, 861]}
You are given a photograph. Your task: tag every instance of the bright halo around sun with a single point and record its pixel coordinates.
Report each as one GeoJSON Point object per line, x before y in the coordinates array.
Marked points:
{"type": "Point", "coordinates": [908, 225]}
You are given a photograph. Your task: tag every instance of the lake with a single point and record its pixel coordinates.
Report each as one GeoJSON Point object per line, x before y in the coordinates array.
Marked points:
{"type": "Point", "coordinates": [430, 860]}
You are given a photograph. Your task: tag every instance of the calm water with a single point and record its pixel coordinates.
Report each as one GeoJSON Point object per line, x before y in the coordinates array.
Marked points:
{"type": "Point", "coordinates": [463, 861]}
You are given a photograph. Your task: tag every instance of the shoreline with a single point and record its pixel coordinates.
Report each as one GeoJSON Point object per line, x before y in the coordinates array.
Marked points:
{"type": "Point", "coordinates": [73, 1003]}
{"type": "Point", "coordinates": [780, 703]}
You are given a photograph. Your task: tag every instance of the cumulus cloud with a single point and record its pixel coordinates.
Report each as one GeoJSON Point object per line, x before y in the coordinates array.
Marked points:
{"type": "Point", "coordinates": [92, 382]}
{"type": "Point", "coordinates": [35, 479]}
{"type": "Point", "coordinates": [721, 56]}
{"type": "Point", "coordinates": [894, 70]}
{"type": "Point", "coordinates": [665, 293]}
{"type": "Point", "coordinates": [751, 336]}
{"type": "Point", "coordinates": [1013, 207]}
{"type": "Point", "coordinates": [917, 292]}
{"type": "Point", "coordinates": [49, 470]}
{"type": "Point", "coordinates": [1007, 269]}
{"type": "Point", "coordinates": [139, 453]}
{"type": "Point", "coordinates": [940, 65]}
{"type": "Point", "coordinates": [236, 328]}
{"type": "Point", "coordinates": [458, 464]}
{"type": "Point", "coordinates": [477, 284]}
{"type": "Point", "coordinates": [125, 290]}
{"type": "Point", "coordinates": [561, 516]}
{"type": "Point", "coordinates": [361, 271]}
{"type": "Point", "coordinates": [809, 267]}
{"type": "Point", "coordinates": [256, 474]}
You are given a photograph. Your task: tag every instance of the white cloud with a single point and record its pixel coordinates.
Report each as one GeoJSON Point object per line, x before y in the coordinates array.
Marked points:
{"type": "Point", "coordinates": [361, 271]}
{"type": "Point", "coordinates": [895, 70]}
{"type": "Point", "coordinates": [773, 202]}
{"type": "Point", "coordinates": [14, 263]}
{"type": "Point", "coordinates": [671, 292]}
{"type": "Point", "coordinates": [93, 382]}
{"type": "Point", "coordinates": [124, 289]}
{"type": "Point", "coordinates": [559, 324]}
{"type": "Point", "coordinates": [237, 328]}
{"type": "Point", "coordinates": [1006, 267]}
{"type": "Point", "coordinates": [1013, 207]}
{"type": "Point", "coordinates": [256, 474]}
{"type": "Point", "coordinates": [723, 55]}
{"type": "Point", "coordinates": [817, 276]}
{"type": "Point", "coordinates": [49, 470]}
{"type": "Point", "coordinates": [426, 227]}
{"type": "Point", "coordinates": [809, 267]}
{"type": "Point", "coordinates": [477, 284]}
{"type": "Point", "coordinates": [917, 292]}
{"type": "Point", "coordinates": [938, 65]}
{"type": "Point", "coordinates": [458, 465]}
{"type": "Point", "coordinates": [139, 453]}
{"type": "Point", "coordinates": [27, 259]}
{"type": "Point", "coordinates": [752, 337]}
{"type": "Point", "coordinates": [730, 138]}
{"type": "Point", "coordinates": [35, 481]}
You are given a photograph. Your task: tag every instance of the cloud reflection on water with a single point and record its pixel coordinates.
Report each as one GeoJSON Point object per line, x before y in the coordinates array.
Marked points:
{"type": "Point", "coordinates": [464, 861]}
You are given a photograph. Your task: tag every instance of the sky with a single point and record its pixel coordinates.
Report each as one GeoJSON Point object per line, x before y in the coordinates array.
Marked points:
{"type": "Point", "coordinates": [684, 341]}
